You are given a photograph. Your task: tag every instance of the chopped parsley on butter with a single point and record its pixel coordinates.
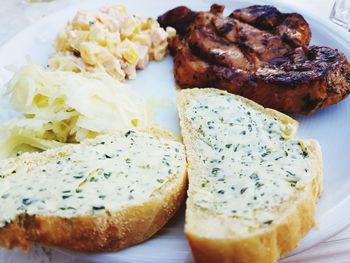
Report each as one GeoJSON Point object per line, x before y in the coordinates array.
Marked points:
{"type": "Point", "coordinates": [252, 165]}
{"type": "Point", "coordinates": [92, 179]}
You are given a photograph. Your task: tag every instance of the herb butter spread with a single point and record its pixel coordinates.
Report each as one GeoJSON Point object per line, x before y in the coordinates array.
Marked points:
{"type": "Point", "coordinates": [105, 175]}
{"type": "Point", "coordinates": [253, 163]}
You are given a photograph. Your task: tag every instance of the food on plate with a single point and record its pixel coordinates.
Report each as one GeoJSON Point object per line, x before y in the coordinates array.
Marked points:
{"type": "Point", "coordinates": [103, 194]}
{"type": "Point", "coordinates": [25, 135]}
{"type": "Point", "coordinates": [111, 40]}
{"type": "Point", "coordinates": [259, 53]}
{"type": "Point", "coordinates": [253, 185]}
{"type": "Point", "coordinates": [68, 107]}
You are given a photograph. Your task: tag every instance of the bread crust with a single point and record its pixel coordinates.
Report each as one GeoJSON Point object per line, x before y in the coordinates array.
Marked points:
{"type": "Point", "coordinates": [270, 243]}
{"type": "Point", "coordinates": [105, 232]}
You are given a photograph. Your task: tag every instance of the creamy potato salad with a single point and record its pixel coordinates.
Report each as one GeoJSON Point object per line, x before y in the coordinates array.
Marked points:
{"type": "Point", "coordinates": [111, 40]}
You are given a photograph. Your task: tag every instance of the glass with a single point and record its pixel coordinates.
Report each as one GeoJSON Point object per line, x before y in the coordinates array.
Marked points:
{"type": "Point", "coordinates": [341, 13]}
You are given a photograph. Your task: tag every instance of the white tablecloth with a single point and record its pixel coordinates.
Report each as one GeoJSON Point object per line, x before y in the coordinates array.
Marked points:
{"type": "Point", "coordinates": [17, 14]}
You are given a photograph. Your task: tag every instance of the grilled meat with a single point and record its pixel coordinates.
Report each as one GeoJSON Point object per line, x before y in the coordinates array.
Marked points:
{"type": "Point", "coordinates": [191, 71]}
{"type": "Point", "coordinates": [257, 52]}
{"type": "Point", "coordinates": [261, 16]}
{"type": "Point", "coordinates": [291, 27]}
{"type": "Point", "coordinates": [207, 45]}
{"type": "Point", "coordinates": [264, 45]}
{"type": "Point", "coordinates": [309, 78]}
{"type": "Point", "coordinates": [179, 18]}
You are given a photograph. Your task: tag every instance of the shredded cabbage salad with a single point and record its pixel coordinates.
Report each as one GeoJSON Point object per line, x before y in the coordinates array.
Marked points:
{"type": "Point", "coordinates": [60, 107]}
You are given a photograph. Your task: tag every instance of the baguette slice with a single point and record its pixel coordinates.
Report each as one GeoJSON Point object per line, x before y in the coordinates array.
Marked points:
{"type": "Point", "coordinates": [253, 186]}
{"type": "Point", "coordinates": [104, 194]}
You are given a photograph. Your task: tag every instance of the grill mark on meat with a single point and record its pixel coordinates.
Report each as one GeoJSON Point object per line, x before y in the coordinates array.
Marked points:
{"type": "Point", "coordinates": [191, 71]}
{"type": "Point", "coordinates": [225, 28]}
{"type": "Point", "coordinates": [260, 16]}
{"type": "Point", "coordinates": [258, 53]}
{"type": "Point", "coordinates": [291, 27]}
{"type": "Point", "coordinates": [298, 56]}
{"type": "Point", "coordinates": [265, 45]}
{"type": "Point", "coordinates": [255, 42]}
{"type": "Point", "coordinates": [283, 79]}
{"type": "Point", "coordinates": [321, 61]}
{"type": "Point", "coordinates": [216, 50]}
{"type": "Point", "coordinates": [278, 61]}
{"type": "Point", "coordinates": [294, 30]}
{"type": "Point", "coordinates": [232, 75]}
{"type": "Point", "coordinates": [347, 76]}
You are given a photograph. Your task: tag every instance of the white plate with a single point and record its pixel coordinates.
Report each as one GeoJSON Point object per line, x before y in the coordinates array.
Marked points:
{"type": "Point", "coordinates": [330, 126]}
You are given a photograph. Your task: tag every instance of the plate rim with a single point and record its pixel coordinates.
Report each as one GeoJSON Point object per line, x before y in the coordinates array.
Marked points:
{"type": "Point", "coordinates": [331, 29]}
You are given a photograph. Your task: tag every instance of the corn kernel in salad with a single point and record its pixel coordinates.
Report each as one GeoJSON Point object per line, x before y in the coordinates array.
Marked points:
{"type": "Point", "coordinates": [110, 40]}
